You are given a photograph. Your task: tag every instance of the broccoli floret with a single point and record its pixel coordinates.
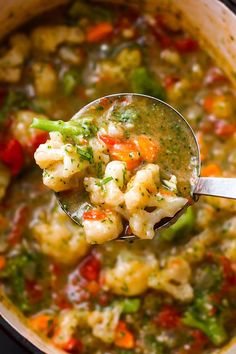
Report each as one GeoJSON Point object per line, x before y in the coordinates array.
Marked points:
{"type": "Point", "coordinates": [143, 82]}
{"type": "Point", "coordinates": [182, 227]}
{"type": "Point", "coordinates": [200, 316]}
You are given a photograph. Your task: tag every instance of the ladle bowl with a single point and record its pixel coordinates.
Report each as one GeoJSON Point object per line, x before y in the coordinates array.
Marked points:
{"type": "Point", "coordinates": [209, 186]}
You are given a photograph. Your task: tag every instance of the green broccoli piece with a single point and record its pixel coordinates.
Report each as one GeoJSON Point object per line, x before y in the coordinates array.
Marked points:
{"type": "Point", "coordinates": [131, 305]}
{"type": "Point", "coordinates": [70, 80]}
{"type": "Point", "coordinates": [199, 316]}
{"type": "Point", "coordinates": [181, 228]}
{"type": "Point", "coordinates": [142, 81]}
{"type": "Point", "coordinates": [72, 128]}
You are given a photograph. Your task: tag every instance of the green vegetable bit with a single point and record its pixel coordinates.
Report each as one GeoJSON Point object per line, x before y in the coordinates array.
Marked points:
{"type": "Point", "coordinates": [104, 181]}
{"type": "Point", "coordinates": [199, 316]}
{"type": "Point", "coordinates": [131, 305]}
{"type": "Point", "coordinates": [85, 153]}
{"type": "Point", "coordinates": [70, 80]}
{"type": "Point", "coordinates": [18, 269]}
{"type": "Point", "coordinates": [72, 128]}
{"type": "Point", "coordinates": [181, 228]}
{"type": "Point", "coordinates": [128, 115]}
{"type": "Point", "coordinates": [142, 81]}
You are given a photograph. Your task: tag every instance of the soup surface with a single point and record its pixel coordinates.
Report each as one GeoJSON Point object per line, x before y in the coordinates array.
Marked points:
{"type": "Point", "coordinates": [125, 162]}
{"type": "Point", "coordinates": [174, 294]}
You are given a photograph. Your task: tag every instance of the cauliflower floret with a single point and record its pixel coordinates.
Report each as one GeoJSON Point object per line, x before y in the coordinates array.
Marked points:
{"type": "Point", "coordinates": [174, 279]}
{"type": "Point", "coordinates": [229, 249]}
{"type": "Point", "coordinates": [68, 322]}
{"type": "Point", "coordinates": [104, 323]}
{"type": "Point", "coordinates": [130, 275]}
{"type": "Point", "coordinates": [113, 130]}
{"type": "Point", "coordinates": [11, 74]}
{"type": "Point", "coordinates": [5, 177]}
{"type": "Point", "coordinates": [71, 55]}
{"type": "Point", "coordinates": [144, 182]}
{"type": "Point", "coordinates": [100, 153]}
{"type": "Point", "coordinates": [11, 61]}
{"type": "Point", "coordinates": [118, 171]}
{"type": "Point", "coordinates": [21, 128]}
{"type": "Point", "coordinates": [129, 58]}
{"type": "Point", "coordinates": [61, 163]}
{"type": "Point", "coordinates": [60, 238]}
{"type": "Point", "coordinates": [108, 193]}
{"type": "Point", "coordinates": [196, 248]}
{"type": "Point", "coordinates": [45, 78]}
{"type": "Point", "coordinates": [142, 222]}
{"type": "Point", "coordinates": [100, 231]}
{"type": "Point", "coordinates": [48, 38]}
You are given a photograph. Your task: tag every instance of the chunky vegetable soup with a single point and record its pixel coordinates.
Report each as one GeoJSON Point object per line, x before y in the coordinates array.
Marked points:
{"type": "Point", "coordinates": [146, 144]}
{"type": "Point", "coordinates": [174, 294]}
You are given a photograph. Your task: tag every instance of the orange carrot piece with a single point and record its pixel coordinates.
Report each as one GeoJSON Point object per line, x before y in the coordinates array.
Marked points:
{"type": "Point", "coordinates": [42, 323]}
{"type": "Point", "coordinates": [99, 32]}
{"type": "Point", "coordinates": [2, 262]}
{"type": "Point", "coordinates": [123, 337]}
{"type": "Point", "coordinates": [211, 170]}
{"type": "Point", "coordinates": [147, 148]}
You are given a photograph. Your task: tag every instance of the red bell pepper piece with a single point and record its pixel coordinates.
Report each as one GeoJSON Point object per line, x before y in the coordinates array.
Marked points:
{"type": "Point", "coordinates": [94, 214]}
{"type": "Point", "coordinates": [168, 318]}
{"type": "Point", "coordinates": [110, 141]}
{"type": "Point", "coordinates": [90, 268]}
{"type": "Point", "coordinates": [186, 45]}
{"type": "Point", "coordinates": [12, 155]}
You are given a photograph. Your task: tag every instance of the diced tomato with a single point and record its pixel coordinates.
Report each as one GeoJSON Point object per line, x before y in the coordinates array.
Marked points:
{"type": "Point", "coordinates": [90, 268]}
{"type": "Point", "coordinates": [18, 224]}
{"type": "Point", "coordinates": [168, 318]}
{"type": "Point", "coordinates": [38, 139]}
{"type": "Point", "coordinates": [110, 141]}
{"type": "Point", "coordinates": [164, 40]}
{"type": "Point", "coordinates": [186, 45]}
{"type": "Point", "coordinates": [99, 32]}
{"type": "Point", "coordinates": [34, 291]}
{"type": "Point", "coordinates": [3, 94]}
{"type": "Point", "coordinates": [94, 214]}
{"type": "Point", "coordinates": [123, 337]}
{"type": "Point", "coordinates": [228, 274]}
{"type": "Point", "coordinates": [126, 152]}
{"type": "Point", "coordinates": [215, 75]}
{"type": "Point", "coordinates": [12, 155]}
{"type": "Point", "coordinates": [147, 148]}
{"type": "Point", "coordinates": [224, 130]}
{"type": "Point", "coordinates": [73, 345]}
{"type": "Point", "coordinates": [2, 262]}
{"type": "Point", "coordinates": [198, 343]}
{"type": "Point", "coordinates": [169, 81]}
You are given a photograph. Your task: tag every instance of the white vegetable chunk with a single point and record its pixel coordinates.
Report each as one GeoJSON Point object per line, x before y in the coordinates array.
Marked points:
{"type": "Point", "coordinates": [130, 275]}
{"type": "Point", "coordinates": [104, 323]}
{"type": "Point", "coordinates": [100, 231]}
{"type": "Point", "coordinates": [60, 238]}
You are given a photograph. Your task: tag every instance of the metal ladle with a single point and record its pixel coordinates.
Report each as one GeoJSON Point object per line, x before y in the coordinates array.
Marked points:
{"type": "Point", "coordinates": [209, 186]}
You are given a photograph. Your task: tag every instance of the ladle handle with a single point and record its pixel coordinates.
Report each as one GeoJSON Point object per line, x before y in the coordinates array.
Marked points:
{"type": "Point", "coordinates": [216, 187]}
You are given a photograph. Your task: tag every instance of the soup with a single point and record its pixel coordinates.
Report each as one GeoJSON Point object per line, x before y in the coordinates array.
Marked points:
{"type": "Point", "coordinates": [127, 161]}
{"type": "Point", "coordinates": [174, 294]}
